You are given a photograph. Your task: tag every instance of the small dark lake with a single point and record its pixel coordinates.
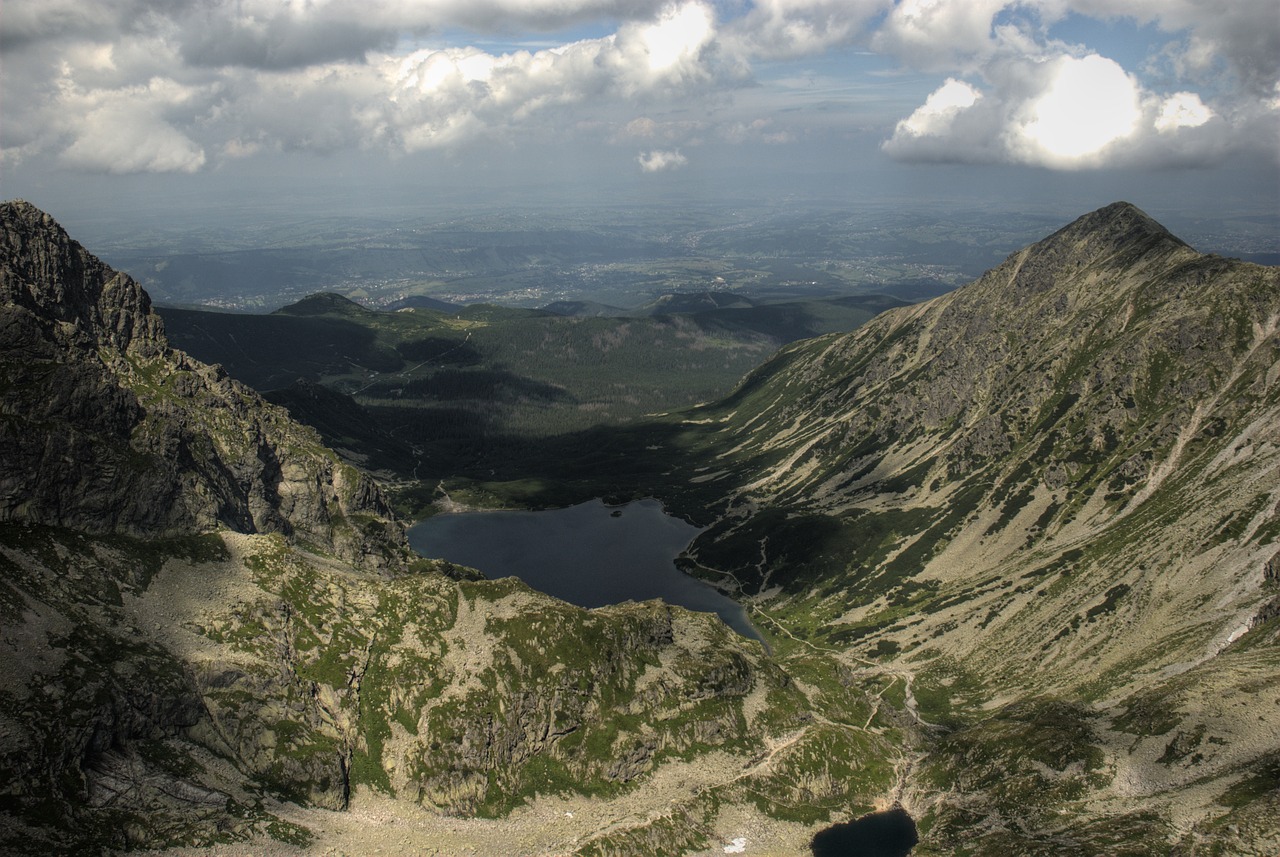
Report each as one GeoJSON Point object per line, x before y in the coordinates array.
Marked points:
{"type": "Point", "coordinates": [880, 834]}
{"type": "Point", "coordinates": [590, 554]}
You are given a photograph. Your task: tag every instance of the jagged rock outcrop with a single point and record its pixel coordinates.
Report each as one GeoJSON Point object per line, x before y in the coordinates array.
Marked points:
{"type": "Point", "coordinates": [109, 430]}
{"type": "Point", "coordinates": [191, 632]}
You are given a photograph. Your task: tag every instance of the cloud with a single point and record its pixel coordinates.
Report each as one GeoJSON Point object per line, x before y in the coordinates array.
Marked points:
{"type": "Point", "coordinates": [288, 39]}
{"type": "Point", "coordinates": [758, 130]}
{"type": "Point", "coordinates": [441, 97]}
{"type": "Point", "coordinates": [658, 161]}
{"type": "Point", "coordinates": [940, 35]}
{"type": "Point", "coordinates": [1019, 95]}
{"type": "Point", "coordinates": [936, 116]}
{"type": "Point", "coordinates": [131, 139]}
{"type": "Point", "coordinates": [784, 29]}
{"type": "Point", "coordinates": [1083, 105]}
{"type": "Point", "coordinates": [32, 22]}
{"type": "Point", "coordinates": [642, 127]}
{"type": "Point", "coordinates": [1243, 35]}
{"type": "Point", "coordinates": [324, 77]}
{"type": "Point", "coordinates": [276, 34]}
{"type": "Point", "coordinates": [127, 131]}
{"type": "Point", "coordinates": [1064, 113]}
{"type": "Point", "coordinates": [1182, 110]}
{"type": "Point", "coordinates": [177, 85]}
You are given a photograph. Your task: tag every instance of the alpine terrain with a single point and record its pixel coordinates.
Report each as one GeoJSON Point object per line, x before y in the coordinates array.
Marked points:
{"type": "Point", "coordinates": [1047, 506]}
{"type": "Point", "coordinates": [1016, 551]}
{"type": "Point", "coordinates": [208, 617]}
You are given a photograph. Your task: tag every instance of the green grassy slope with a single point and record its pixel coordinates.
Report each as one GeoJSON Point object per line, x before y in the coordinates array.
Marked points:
{"type": "Point", "coordinates": [1038, 497]}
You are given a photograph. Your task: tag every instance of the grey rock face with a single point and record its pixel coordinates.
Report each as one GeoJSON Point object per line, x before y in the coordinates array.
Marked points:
{"type": "Point", "coordinates": [74, 297]}
{"type": "Point", "coordinates": [107, 429]}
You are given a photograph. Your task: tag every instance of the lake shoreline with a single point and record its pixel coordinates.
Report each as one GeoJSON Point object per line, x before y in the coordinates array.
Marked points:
{"type": "Point", "coordinates": [591, 554]}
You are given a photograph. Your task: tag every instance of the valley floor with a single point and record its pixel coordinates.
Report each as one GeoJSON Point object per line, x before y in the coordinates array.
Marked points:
{"type": "Point", "coordinates": [549, 826]}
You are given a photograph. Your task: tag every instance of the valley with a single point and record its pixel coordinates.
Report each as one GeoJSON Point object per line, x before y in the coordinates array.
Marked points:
{"type": "Point", "coordinates": [422, 394]}
{"type": "Point", "coordinates": [1013, 551]}
{"type": "Point", "coordinates": [616, 256]}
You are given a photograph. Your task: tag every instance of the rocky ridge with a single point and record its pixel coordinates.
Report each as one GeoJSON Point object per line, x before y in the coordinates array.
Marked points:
{"type": "Point", "coordinates": [206, 618]}
{"type": "Point", "coordinates": [136, 437]}
{"type": "Point", "coordinates": [1049, 501]}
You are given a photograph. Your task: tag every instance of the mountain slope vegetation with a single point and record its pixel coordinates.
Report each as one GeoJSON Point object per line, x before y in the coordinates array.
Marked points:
{"type": "Point", "coordinates": [1014, 551]}
{"type": "Point", "coordinates": [210, 621]}
{"type": "Point", "coordinates": [1051, 499]}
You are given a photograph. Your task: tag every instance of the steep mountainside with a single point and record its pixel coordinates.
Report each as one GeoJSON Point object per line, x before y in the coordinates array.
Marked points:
{"type": "Point", "coordinates": [1050, 502]}
{"type": "Point", "coordinates": [207, 622]}
{"type": "Point", "coordinates": [107, 429]}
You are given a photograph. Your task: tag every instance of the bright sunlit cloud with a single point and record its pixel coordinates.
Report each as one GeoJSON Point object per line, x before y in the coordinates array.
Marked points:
{"type": "Point", "coordinates": [1182, 110]}
{"type": "Point", "coordinates": [677, 36]}
{"type": "Point", "coordinates": [1086, 105]}
{"type": "Point", "coordinates": [121, 86]}
{"type": "Point", "coordinates": [936, 115]}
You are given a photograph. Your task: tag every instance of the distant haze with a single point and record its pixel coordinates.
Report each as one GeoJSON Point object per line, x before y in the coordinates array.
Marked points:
{"type": "Point", "coordinates": [207, 115]}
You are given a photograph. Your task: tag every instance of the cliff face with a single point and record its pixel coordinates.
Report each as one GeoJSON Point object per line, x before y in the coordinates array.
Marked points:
{"type": "Point", "coordinates": [109, 430]}
{"type": "Point", "coordinates": [68, 294]}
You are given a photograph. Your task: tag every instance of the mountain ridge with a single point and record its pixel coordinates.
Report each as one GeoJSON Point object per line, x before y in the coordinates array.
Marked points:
{"type": "Point", "coordinates": [213, 629]}
{"type": "Point", "coordinates": [1058, 482]}
{"type": "Point", "coordinates": [85, 352]}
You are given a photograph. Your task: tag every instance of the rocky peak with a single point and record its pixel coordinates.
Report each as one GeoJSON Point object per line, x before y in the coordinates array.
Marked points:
{"type": "Point", "coordinates": [108, 430]}
{"type": "Point", "coordinates": [1080, 367]}
{"type": "Point", "coordinates": [75, 295]}
{"type": "Point", "coordinates": [1119, 235]}
{"type": "Point", "coordinates": [1117, 225]}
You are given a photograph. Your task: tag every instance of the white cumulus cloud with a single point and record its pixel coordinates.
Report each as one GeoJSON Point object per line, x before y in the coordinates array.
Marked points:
{"type": "Point", "coordinates": [1083, 106]}
{"type": "Point", "coordinates": [180, 85]}
{"type": "Point", "coordinates": [1063, 113]}
{"type": "Point", "coordinates": [935, 117]}
{"type": "Point", "coordinates": [774, 29]}
{"type": "Point", "coordinates": [1043, 102]}
{"type": "Point", "coordinates": [657, 160]}
{"type": "Point", "coordinates": [1182, 110]}
{"type": "Point", "coordinates": [940, 35]}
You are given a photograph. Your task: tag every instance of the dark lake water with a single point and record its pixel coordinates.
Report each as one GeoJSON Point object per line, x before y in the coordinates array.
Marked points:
{"type": "Point", "coordinates": [590, 554]}
{"type": "Point", "coordinates": [880, 834]}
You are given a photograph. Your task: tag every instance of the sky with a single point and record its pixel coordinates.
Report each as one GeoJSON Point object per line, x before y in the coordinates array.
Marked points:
{"type": "Point", "coordinates": [114, 107]}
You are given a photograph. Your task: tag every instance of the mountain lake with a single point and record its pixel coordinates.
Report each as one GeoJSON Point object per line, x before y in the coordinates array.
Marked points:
{"type": "Point", "coordinates": [590, 554]}
{"type": "Point", "coordinates": [879, 834]}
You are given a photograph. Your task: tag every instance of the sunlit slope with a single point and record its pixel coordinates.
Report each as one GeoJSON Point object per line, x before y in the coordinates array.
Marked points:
{"type": "Point", "coordinates": [1059, 482]}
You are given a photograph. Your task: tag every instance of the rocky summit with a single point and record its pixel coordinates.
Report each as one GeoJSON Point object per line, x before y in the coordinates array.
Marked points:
{"type": "Point", "coordinates": [109, 430]}
{"type": "Point", "coordinates": [1050, 502]}
{"type": "Point", "coordinates": [1016, 551]}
